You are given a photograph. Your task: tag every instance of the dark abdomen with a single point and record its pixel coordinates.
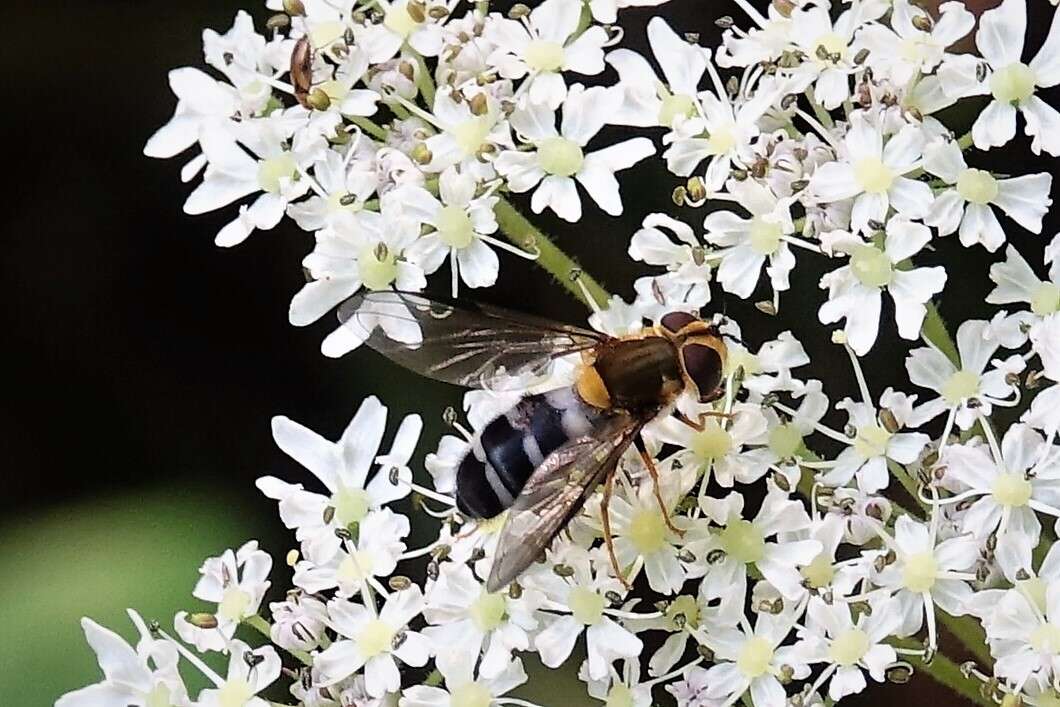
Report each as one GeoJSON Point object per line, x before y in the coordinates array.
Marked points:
{"type": "Point", "coordinates": [508, 449]}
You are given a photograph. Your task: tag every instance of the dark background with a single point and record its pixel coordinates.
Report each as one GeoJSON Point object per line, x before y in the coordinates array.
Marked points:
{"type": "Point", "coordinates": [142, 363]}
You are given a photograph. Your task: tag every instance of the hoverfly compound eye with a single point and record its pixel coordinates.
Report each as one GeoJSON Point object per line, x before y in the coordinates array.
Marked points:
{"type": "Point", "coordinates": [676, 321]}
{"type": "Point", "coordinates": [704, 367]}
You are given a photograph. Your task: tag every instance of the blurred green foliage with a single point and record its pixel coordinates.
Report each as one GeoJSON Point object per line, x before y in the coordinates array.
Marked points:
{"type": "Point", "coordinates": [95, 558]}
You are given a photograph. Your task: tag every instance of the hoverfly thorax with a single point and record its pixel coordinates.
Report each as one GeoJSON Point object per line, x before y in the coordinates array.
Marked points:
{"type": "Point", "coordinates": [701, 352]}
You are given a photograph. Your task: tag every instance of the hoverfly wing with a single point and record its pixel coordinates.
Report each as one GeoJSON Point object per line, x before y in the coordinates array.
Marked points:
{"type": "Point", "coordinates": [472, 345]}
{"type": "Point", "coordinates": [554, 494]}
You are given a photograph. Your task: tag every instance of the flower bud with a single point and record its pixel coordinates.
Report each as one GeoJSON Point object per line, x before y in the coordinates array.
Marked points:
{"type": "Point", "coordinates": [202, 620]}
{"type": "Point", "coordinates": [399, 583]}
{"type": "Point", "coordinates": [294, 8]}
{"type": "Point", "coordinates": [278, 21]}
{"type": "Point", "coordinates": [899, 674]}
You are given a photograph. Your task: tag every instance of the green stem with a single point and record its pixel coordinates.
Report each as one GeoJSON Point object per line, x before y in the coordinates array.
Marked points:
{"type": "Point", "coordinates": [965, 141]}
{"type": "Point", "coordinates": [936, 332]}
{"type": "Point", "coordinates": [262, 626]}
{"type": "Point", "coordinates": [907, 481]}
{"type": "Point", "coordinates": [948, 673]}
{"type": "Point", "coordinates": [968, 631]}
{"type": "Point", "coordinates": [368, 127]}
{"type": "Point", "coordinates": [521, 232]}
{"type": "Point", "coordinates": [425, 82]}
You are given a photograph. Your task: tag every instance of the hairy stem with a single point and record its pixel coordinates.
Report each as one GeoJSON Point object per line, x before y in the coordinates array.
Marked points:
{"type": "Point", "coordinates": [936, 332]}
{"type": "Point", "coordinates": [970, 633]}
{"type": "Point", "coordinates": [521, 232]}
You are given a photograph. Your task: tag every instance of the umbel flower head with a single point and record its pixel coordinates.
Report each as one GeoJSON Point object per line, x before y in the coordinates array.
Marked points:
{"type": "Point", "coordinates": [799, 532]}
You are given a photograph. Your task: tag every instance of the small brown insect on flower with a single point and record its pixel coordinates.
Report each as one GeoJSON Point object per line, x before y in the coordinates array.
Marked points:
{"type": "Point", "coordinates": [302, 71]}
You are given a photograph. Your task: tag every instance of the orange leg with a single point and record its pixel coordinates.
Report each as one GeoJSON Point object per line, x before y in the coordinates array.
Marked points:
{"type": "Point", "coordinates": [698, 426]}
{"type": "Point", "coordinates": [609, 540]}
{"type": "Point", "coordinates": [650, 463]}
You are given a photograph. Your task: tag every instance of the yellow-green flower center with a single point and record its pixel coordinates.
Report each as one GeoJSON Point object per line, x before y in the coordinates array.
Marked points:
{"type": "Point", "coordinates": [351, 505]}
{"type": "Point", "coordinates": [544, 56]}
{"type": "Point", "coordinates": [377, 267]}
{"type": "Point", "coordinates": [375, 638]}
{"type": "Point", "coordinates": [977, 186]}
{"type": "Point", "coordinates": [321, 34]}
{"type": "Point", "coordinates": [234, 693]}
{"type": "Point", "coordinates": [470, 694]}
{"type": "Point", "coordinates": [619, 696]}
{"type": "Point", "coordinates": [765, 236]}
{"type": "Point", "coordinates": [1034, 589]}
{"type": "Point", "coordinates": [871, 441]}
{"type": "Point", "coordinates": [785, 440]}
{"type": "Point", "coordinates": [712, 443]}
{"type": "Point", "coordinates": [721, 141]}
{"type": "Point", "coordinates": [1046, 639]}
{"type": "Point", "coordinates": [755, 657]}
{"type": "Point", "coordinates": [742, 541]}
{"type": "Point", "coordinates": [560, 156]}
{"type": "Point", "coordinates": [1013, 83]}
{"type": "Point", "coordinates": [674, 105]}
{"type": "Point", "coordinates": [960, 386]}
{"type": "Point", "coordinates": [647, 530]}
{"type": "Point", "coordinates": [454, 227]}
{"type": "Point", "coordinates": [1049, 698]}
{"type": "Point", "coordinates": [273, 170]}
{"type": "Point", "coordinates": [159, 696]}
{"type": "Point", "coordinates": [685, 606]}
{"type": "Point", "coordinates": [820, 572]}
{"type": "Point", "coordinates": [233, 604]}
{"type": "Point", "coordinates": [399, 21]}
{"type": "Point", "coordinates": [871, 266]}
{"type": "Point", "coordinates": [586, 605]}
{"type": "Point", "coordinates": [831, 43]}
{"type": "Point", "coordinates": [1046, 299]}
{"type": "Point", "coordinates": [873, 175]}
{"type": "Point", "coordinates": [849, 647]}
{"type": "Point", "coordinates": [487, 613]}
{"type": "Point", "coordinates": [471, 133]}
{"type": "Point", "coordinates": [1012, 490]}
{"type": "Point", "coordinates": [920, 572]}
{"type": "Point", "coordinates": [356, 567]}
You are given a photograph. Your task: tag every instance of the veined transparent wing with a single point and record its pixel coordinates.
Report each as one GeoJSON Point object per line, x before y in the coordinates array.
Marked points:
{"type": "Point", "coordinates": [555, 492]}
{"type": "Point", "coordinates": [473, 345]}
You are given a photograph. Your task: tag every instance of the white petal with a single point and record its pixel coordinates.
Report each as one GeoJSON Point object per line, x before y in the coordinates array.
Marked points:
{"type": "Point", "coordinates": [1001, 33]}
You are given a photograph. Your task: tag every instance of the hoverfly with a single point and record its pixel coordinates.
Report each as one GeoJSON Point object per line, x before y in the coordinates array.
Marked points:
{"type": "Point", "coordinates": [543, 458]}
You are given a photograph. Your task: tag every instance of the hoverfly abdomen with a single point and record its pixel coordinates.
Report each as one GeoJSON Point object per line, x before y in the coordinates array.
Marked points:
{"type": "Point", "coordinates": [508, 449]}
{"type": "Point", "coordinates": [640, 374]}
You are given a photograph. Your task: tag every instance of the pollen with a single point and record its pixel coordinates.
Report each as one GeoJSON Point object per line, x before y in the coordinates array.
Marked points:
{"type": "Point", "coordinates": [377, 268]}
{"type": "Point", "coordinates": [849, 647]}
{"type": "Point", "coordinates": [470, 694]}
{"type": "Point", "coordinates": [375, 638]}
{"type": "Point", "coordinates": [977, 186]}
{"type": "Point", "coordinates": [1013, 83]}
{"type": "Point", "coordinates": [560, 156]}
{"type": "Point", "coordinates": [765, 236]}
{"type": "Point", "coordinates": [873, 175]}
{"type": "Point", "coordinates": [586, 605]}
{"type": "Point", "coordinates": [871, 266]}
{"type": "Point", "coordinates": [454, 227]}
{"type": "Point", "coordinates": [920, 572]}
{"type": "Point", "coordinates": [488, 611]}
{"type": "Point", "coordinates": [743, 541]}
{"type": "Point", "coordinates": [755, 657]}
{"type": "Point", "coordinates": [544, 56]}
{"type": "Point", "coordinates": [1012, 490]}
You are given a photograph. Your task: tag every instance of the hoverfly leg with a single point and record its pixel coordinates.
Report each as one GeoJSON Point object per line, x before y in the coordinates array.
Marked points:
{"type": "Point", "coordinates": [650, 464]}
{"type": "Point", "coordinates": [609, 539]}
{"type": "Point", "coordinates": [699, 425]}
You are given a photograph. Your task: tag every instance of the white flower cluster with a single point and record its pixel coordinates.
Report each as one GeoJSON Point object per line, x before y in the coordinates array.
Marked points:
{"type": "Point", "coordinates": [394, 131]}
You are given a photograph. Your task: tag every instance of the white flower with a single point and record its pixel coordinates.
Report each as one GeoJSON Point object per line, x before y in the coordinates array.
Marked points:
{"type": "Point", "coordinates": [1045, 338]}
{"type": "Point", "coordinates": [854, 290]}
{"type": "Point", "coordinates": [543, 46]}
{"type": "Point", "coordinates": [465, 619]}
{"type": "Point", "coordinates": [1024, 631]}
{"type": "Point", "coordinates": [930, 368]}
{"type": "Point", "coordinates": [747, 243]}
{"type": "Point", "coordinates": [579, 603]}
{"type": "Point", "coordinates": [641, 534]}
{"type": "Point", "coordinates": [462, 688]}
{"type": "Point", "coordinates": [558, 158]}
{"type": "Point", "coordinates": [343, 468]}
{"type": "Point", "coordinates": [205, 106]}
{"type": "Point", "coordinates": [345, 184]}
{"type": "Point", "coordinates": [461, 223]}
{"type": "Point", "coordinates": [464, 133]}
{"type": "Point", "coordinates": [872, 446]}
{"type": "Point", "coordinates": [1017, 282]}
{"type": "Point", "coordinates": [927, 572]}
{"type": "Point", "coordinates": [872, 170]}
{"type": "Point", "coordinates": [966, 207]}
{"type": "Point", "coordinates": [681, 253]}
{"type": "Point", "coordinates": [143, 677]}
{"type": "Point", "coordinates": [236, 582]}
{"type": "Point", "coordinates": [1011, 82]}
{"type": "Point", "coordinates": [1008, 490]}
{"type": "Point", "coordinates": [746, 542]}
{"type": "Point", "coordinates": [826, 46]}
{"type": "Point", "coordinates": [752, 659]}
{"type": "Point", "coordinates": [647, 100]}
{"type": "Point", "coordinates": [849, 646]}
{"type": "Point", "coordinates": [373, 642]}
{"type": "Point", "coordinates": [249, 672]}
{"type": "Point", "coordinates": [373, 552]}
{"type": "Point", "coordinates": [909, 50]}
{"type": "Point", "coordinates": [297, 622]}
{"type": "Point", "coordinates": [400, 27]}
{"type": "Point", "coordinates": [720, 446]}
